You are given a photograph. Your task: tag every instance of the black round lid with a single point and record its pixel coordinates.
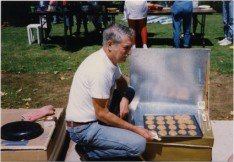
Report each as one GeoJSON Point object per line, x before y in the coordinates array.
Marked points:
{"type": "Point", "coordinates": [21, 130]}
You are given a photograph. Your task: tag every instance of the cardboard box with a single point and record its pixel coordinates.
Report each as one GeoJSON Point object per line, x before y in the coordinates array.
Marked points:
{"type": "Point", "coordinates": [181, 149]}
{"type": "Point", "coordinates": [46, 147]}
{"type": "Point", "coordinates": [171, 81]}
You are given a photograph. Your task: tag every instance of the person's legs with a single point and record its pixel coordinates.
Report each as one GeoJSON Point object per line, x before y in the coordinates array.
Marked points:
{"type": "Point", "coordinates": [187, 25]}
{"type": "Point", "coordinates": [176, 19]}
{"type": "Point", "coordinates": [225, 24]}
{"type": "Point", "coordinates": [195, 23]}
{"type": "Point", "coordinates": [230, 21]}
{"type": "Point", "coordinates": [100, 142]}
{"type": "Point", "coordinates": [225, 17]}
{"type": "Point", "coordinates": [177, 10]}
{"type": "Point", "coordinates": [78, 23]}
{"type": "Point", "coordinates": [70, 30]}
{"type": "Point", "coordinates": [132, 24]}
{"type": "Point", "coordinates": [69, 22]}
{"type": "Point", "coordinates": [48, 27]}
{"type": "Point", "coordinates": [97, 22]}
{"type": "Point", "coordinates": [143, 30]}
{"type": "Point", "coordinates": [85, 22]}
{"type": "Point", "coordinates": [105, 20]}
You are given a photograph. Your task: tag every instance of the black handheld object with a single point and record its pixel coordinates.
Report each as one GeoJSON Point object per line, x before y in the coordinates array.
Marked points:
{"type": "Point", "coordinates": [21, 130]}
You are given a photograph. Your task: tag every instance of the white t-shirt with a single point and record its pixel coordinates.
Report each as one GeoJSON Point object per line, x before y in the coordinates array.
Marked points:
{"type": "Point", "coordinates": [95, 78]}
{"type": "Point", "coordinates": [135, 9]}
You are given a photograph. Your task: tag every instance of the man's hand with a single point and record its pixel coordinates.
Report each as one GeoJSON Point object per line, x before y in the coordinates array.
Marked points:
{"type": "Point", "coordinates": [123, 108]}
{"type": "Point", "coordinates": [143, 132]}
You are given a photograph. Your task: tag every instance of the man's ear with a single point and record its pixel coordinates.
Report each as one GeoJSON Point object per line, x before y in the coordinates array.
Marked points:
{"type": "Point", "coordinates": [110, 45]}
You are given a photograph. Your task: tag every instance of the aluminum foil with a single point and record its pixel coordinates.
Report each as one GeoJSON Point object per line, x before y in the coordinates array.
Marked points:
{"type": "Point", "coordinates": [167, 81]}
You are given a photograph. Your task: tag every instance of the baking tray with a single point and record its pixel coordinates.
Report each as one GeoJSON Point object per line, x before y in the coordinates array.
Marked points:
{"type": "Point", "coordinates": [178, 120]}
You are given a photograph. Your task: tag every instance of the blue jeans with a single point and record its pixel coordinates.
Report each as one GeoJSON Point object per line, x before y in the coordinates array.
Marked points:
{"type": "Point", "coordinates": [228, 19]}
{"type": "Point", "coordinates": [101, 141]}
{"type": "Point", "coordinates": [182, 11]}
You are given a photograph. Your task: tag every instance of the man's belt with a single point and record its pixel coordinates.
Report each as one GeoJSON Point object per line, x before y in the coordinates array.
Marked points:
{"type": "Point", "coordinates": [77, 124]}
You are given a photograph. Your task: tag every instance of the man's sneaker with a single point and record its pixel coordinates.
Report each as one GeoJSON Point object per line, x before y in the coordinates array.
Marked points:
{"type": "Point", "coordinates": [145, 46]}
{"type": "Point", "coordinates": [223, 40]}
{"type": "Point", "coordinates": [225, 43]}
{"type": "Point", "coordinates": [182, 36]}
{"type": "Point", "coordinates": [134, 46]}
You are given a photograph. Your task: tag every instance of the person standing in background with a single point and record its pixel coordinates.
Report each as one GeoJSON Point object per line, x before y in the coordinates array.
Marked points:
{"type": "Point", "coordinates": [45, 19]}
{"type": "Point", "coordinates": [53, 6]}
{"type": "Point", "coordinates": [136, 14]}
{"type": "Point", "coordinates": [81, 9]}
{"type": "Point", "coordinates": [68, 15]}
{"type": "Point", "coordinates": [96, 16]}
{"type": "Point", "coordinates": [195, 19]}
{"type": "Point", "coordinates": [182, 11]}
{"type": "Point", "coordinates": [228, 23]}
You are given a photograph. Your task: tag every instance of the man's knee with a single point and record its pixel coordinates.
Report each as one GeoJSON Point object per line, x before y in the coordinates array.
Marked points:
{"type": "Point", "coordinates": [130, 93]}
{"type": "Point", "coordinates": [138, 146]}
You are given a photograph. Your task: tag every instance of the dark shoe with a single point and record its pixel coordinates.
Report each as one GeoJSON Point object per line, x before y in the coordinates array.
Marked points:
{"type": "Point", "coordinates": [81, 152]}
{"type": "Point", "coordinates": [77, 33]}
{"type": "Point", "coordinates": [48, 38]}
{"type": "Point", "coordinates": [186, 46]}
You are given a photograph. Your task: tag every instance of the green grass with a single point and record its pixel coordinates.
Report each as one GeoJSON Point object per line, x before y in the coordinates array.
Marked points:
{"type": "Point", "coordinates": [20, 57]}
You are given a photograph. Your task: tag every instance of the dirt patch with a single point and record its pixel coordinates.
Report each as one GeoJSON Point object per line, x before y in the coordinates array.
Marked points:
{"type": "Point", "coordinates": [221, 96]}
{"type": "Point", "coordinates": [30, 91]}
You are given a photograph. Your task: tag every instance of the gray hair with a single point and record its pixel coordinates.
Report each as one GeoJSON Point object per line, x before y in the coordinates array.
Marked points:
{"type": "Point", "coordinates": [116, 32]}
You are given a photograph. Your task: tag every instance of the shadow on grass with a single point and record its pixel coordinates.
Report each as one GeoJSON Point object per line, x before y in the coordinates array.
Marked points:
{"type": "Point", "coordinates": [219, 38]}
{"type": "Point", "coordinates": [74, 43]}
{"type": "Point", "coordinates": [160, 41]}
{"type": "Point", "coordinates": [195, 41]}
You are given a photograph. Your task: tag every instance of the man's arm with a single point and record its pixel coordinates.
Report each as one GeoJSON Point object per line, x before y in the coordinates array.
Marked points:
{"type": "Point", "coordinates": [122, 86]}
{"type": "Point", "coordinates": [103, 114]}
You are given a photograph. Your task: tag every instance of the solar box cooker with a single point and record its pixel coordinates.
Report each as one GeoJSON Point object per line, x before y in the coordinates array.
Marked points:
{"type": "Point", "coordinates": [170, 82]}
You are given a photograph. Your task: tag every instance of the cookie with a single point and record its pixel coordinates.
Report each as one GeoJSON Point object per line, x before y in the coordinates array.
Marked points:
{"type": "Point", "coordinates": [150, 117]}
{"type": "Point", "coordinates": [159, 122]}
{"type": "Point", "coordinates": [172, 127]}
{"type": "Point", "coordinates": [162, 132]}
{"type": "Point", "coordinates": [192, 132]}
{"type": "Point", "coordinates": [189, 122]}
{"type": "Point", "coordinates": [182, 126]}
{"type": "Point", "coordinates": [185, 116]}
{"type": "Point", "coordinates": [191, 127]}
{"type": "Point", "coordinates": [169, 117]}
{"type": "Point", "coordinates": [151, 126]}
{"type": "Point", "coordinates": [177, 117]}
{"type": "Point", "coordinates": [161, 127]}
{"type": "Point", "coordinates": [159, 118]}
{"type": "Point", "coordinates": [170, 122]}
{"type": "Point", "coordinates": [149, 122]}
{"type": "Point", "coordinates": [172, 133]}
{"type": "Point", "coordinates": [182, 132]}
{"type": "Point", "coordinates": [181, 121]}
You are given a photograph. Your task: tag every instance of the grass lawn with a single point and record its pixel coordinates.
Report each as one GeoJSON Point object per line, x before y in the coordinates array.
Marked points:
{"type": "Point", "coordinates": [23, 65]}
{"type": "Point", "coordinates": [19, 57]}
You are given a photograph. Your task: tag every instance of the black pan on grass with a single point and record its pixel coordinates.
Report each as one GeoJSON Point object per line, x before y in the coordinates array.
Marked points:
{"type": "Point", "coordinates": [21, 130]}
